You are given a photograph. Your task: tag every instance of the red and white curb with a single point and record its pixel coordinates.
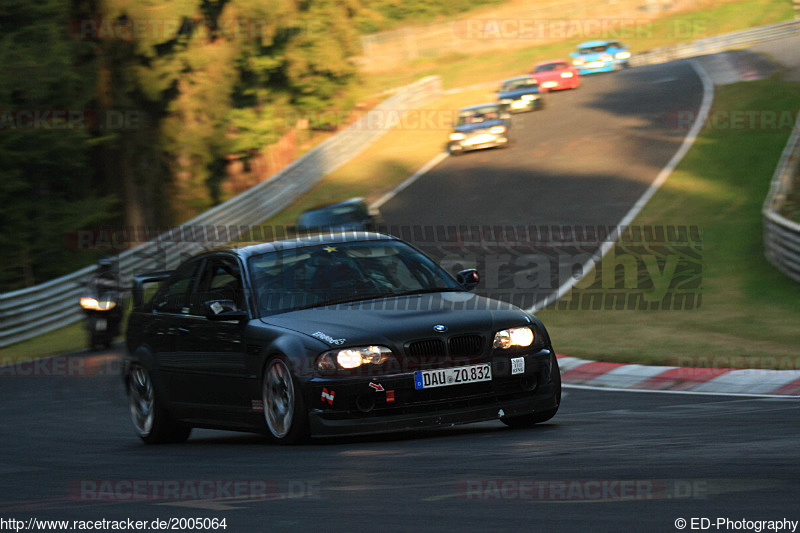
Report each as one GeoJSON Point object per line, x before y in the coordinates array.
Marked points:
{"type": "Point", "coordinates": [620, 376]}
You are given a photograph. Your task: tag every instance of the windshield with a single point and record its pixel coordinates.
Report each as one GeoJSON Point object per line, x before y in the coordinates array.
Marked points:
{"type": "Point", "coordinates": [320, 275]}
{"type": "Point", "coordinates": [478, 114]}
{"type": "Point", "coordinates": [515, 85]}
{"type": "Point", "coordinates": [593, 49]}
{"type": "Point", "coordinates": [549, 67]}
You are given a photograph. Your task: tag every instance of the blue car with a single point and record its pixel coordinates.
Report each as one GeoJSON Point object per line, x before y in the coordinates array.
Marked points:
{"type": "Point", "coordinates": [480, 126]}
{"type": "Point", "coordinates": [520, 94]}
{"type": "Point", "coordinates": [600, 56]}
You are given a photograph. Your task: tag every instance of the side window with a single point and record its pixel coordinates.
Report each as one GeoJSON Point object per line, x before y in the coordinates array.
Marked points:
{"type": "Point", "coordinates": [221, 280]}
{"type": "Point", "coordinates": [173, 297]}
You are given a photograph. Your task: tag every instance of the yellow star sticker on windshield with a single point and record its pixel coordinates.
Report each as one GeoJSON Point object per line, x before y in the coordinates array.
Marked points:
{"type": "Point", "coordinates": [329, 249]}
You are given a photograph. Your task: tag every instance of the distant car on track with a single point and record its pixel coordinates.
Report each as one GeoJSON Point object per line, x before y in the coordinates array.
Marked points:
{"type": "Point", "coordinates": [480, 126]}
{"type": "Point", "coordinates": [348, 333]}
{"type": "Point", "coordinates": [520, 94]}
{"type": "Point", "coordinates": [556, 75]}
{"type": "Point", "coordinates": [600, 56]}
{"type": "Point", "coordinates": [350, 215]}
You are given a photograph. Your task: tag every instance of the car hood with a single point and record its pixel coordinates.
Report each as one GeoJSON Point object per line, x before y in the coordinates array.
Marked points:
{"type": "Point", "coordinates": [470, 128]}
{"type": "Point", "coordinates": [548, 75]}
{"type": "Point", "coordinates": [594, 56]}
{"type": "Point", "coordinates": [395, 321]}
{"type": "Point", "coordinates": [516, 94]}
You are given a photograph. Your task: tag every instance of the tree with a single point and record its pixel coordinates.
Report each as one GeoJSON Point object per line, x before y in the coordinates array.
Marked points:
{"type": "Point", "coordinates": [47, 185]}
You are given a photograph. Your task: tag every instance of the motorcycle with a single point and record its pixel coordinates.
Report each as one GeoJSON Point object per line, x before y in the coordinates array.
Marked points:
{"type": "Point", "coordinates": [103, 314]}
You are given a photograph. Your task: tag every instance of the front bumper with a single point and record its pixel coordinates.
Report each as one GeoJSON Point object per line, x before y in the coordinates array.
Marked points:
{"type": "Point", "coordinates": [478, 142]}
{"type": "Point", "coordinates": [350, 406]}
{"type": "Point", "coordinates": [519, 106]}
{"type": "Point", "coordinates": [596, 66]}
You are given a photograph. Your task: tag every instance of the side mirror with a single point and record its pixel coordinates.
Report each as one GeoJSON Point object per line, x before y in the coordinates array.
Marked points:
{"type": "Point", "coordinates": [224, 310]}
{"type": "Point", "coordinates": [468, 278]}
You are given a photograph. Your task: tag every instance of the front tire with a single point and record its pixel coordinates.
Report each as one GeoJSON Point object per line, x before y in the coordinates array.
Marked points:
{"type": "Point", "coordinates": [285, 410]}
{"type": "Point", "coordinates": [529, 420]}
{"type": "Point", "coordinates": [151, 420]}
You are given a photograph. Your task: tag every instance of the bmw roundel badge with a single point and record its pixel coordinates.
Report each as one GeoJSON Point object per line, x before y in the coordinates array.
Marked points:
{"type": "Point", "coordinates": [439, 328]}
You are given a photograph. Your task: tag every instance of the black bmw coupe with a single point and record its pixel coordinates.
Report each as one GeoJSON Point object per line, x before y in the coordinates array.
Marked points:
{"type": "Point", "coordinates": [335, 334]}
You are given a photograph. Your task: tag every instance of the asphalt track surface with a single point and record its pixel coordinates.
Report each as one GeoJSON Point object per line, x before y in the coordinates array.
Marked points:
{"type": "Point", "coordinates": [581, 163]}
{"type": "Point", "coordinates": [583, 160]}
{"type": "Point", "coordinates": [609, 461]}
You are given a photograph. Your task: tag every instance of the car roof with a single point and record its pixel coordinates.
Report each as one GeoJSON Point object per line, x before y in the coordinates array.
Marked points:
{"type": "Point", "coordinates": [551, 61]}
{"type": "Point", "coordinates": [516, 78]}
{"type": "Point", "coordinates": [479, 106]}
{"type": "Point", "coordinates": [351, 201]}
{"type": "Point", "coordinates": [247, 250]}
{"type": "Point", "coordinates": [592, 44]}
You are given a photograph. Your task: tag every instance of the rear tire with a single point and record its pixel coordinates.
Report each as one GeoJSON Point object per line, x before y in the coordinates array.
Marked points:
{"type": "Point", "coordinates": [285, 412]}
{"type": "Point", "coordinates": [152, 421]}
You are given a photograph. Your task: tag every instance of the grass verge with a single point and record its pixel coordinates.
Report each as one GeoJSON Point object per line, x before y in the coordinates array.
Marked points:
{"type": "Point", "coordinates": [749, 313]}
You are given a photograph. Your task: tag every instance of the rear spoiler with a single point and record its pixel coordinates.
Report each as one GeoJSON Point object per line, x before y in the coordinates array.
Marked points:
{"type": "Point", "coordinates": [140, 281]}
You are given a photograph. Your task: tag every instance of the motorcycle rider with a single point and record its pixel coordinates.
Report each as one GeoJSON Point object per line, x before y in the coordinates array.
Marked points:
{"type": "Point", "coordinates": [102, 304]}
{"type": "Point", "coordinates": [106, 276]}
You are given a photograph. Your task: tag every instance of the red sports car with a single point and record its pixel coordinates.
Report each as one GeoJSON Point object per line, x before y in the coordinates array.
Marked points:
{"type": "Point", "coordinates": [555, 75]}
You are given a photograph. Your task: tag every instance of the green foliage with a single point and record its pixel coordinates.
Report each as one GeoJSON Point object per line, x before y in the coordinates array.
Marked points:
{"type": "Point", "coordinates": [46, 186]}
{"type": "Point", "coordinates": [379, 15]}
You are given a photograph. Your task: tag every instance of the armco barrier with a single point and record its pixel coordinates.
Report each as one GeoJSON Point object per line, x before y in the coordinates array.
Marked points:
{"type": "Point", "coordinates": [35, 310]}
{"type": "Point", "coordinates": [718, 43]}
{"type": "Point", "coordinates": [781, 235]}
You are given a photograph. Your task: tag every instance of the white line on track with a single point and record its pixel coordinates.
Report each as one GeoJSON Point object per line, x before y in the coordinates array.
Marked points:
{"type": "Point", "coordinates": [685, 392]}
{"type": "Point", "coordinates": [411, 179]}
{"type": "Point", "coordinates": [708, 98]}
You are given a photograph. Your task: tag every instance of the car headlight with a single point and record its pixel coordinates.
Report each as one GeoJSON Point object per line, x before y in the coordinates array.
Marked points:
{"type": "Point", "coordinates": [513, 337]}
{"type": "Point", "coordinates": [623, 55]}
{"type": "Point", "coordinates": [348, 358]}
{"type": "Point", "coordinates": [497, 130]}
{"type": "Point", "coordinates": [528, 97]}
{"type": "Point", "coordinates": [566, 74]}
{"type": "Point", "coordinates": [577, 61]}
{"type": "Point", "coordinates": [91, 304]}
{"type": "Point", "coordinates": [457, 136]}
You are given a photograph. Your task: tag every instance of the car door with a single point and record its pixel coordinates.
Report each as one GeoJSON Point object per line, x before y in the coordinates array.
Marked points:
{"type": "Point", "coordinates": [171, 325]}
{"type": "Point", "coordinates": [213, 352]}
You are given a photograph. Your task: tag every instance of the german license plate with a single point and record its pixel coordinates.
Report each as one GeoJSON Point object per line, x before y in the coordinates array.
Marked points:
{"type": "Point", "coordinates": [445, 377]}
